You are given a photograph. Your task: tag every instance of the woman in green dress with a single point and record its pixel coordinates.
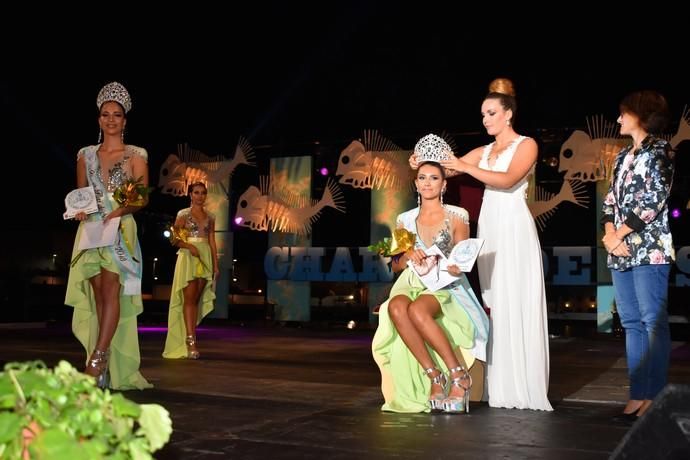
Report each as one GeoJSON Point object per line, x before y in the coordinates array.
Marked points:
{"type": "Point", "coordinates": [192, 296]}
{"type": "Point", "coordinates": [104, 284]}
{"type": "Point", "coordinates": [426, 341]}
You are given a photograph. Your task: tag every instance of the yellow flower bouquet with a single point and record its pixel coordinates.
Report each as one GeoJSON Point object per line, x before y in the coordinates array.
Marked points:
{"type": "Point", "coordinates": [399, 242]}
{"type": "Point", "coordinates": [181, 234]}
{"type": "Point", "coordinates": [132, 193]}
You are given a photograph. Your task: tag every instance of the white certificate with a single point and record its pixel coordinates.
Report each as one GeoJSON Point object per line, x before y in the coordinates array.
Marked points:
{"type": "Point", "coordinates": [80, 200]}
{"type": "Point", "coordinates": [97, 234]}
{"type": "Point", "coordinates": [465, 253]}
{"type": "Point", "coordinates": [434, 270]}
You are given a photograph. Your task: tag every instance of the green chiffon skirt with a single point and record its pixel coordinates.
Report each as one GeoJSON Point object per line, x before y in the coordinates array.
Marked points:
{"type": "Point", "coordinates": [188, 268]}
{"type": "Point", "coordinates": [124, 359]}
{"type": "Point", "coordinates": [404, 384]}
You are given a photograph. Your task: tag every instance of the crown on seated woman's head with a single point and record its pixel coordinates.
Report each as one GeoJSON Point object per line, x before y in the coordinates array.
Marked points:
{"type": "Point", "coordinates": [432, 148]}
{"type": "Point", "coordinates": [114, 91]}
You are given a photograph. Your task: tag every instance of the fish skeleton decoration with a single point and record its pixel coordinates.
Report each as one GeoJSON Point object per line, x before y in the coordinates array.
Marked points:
{"type": "Point", "coordinates": [545, 203]}
{"type": "Point", "coordinates": [377, 163]}
{"type": "Point", "coordinates": [589, 156]}
{"type": "Point", "coordinates": [273, 207]}
{"type": "Point", "coordinates": [189, 166]}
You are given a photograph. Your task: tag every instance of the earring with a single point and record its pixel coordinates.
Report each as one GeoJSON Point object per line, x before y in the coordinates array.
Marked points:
{"type": "Point", "coordinates": [507, 122]}
{"type": "Point", "coordinates": [100, 135]}
{"type": "Point", "coordinates": [442, 193]}
{"type": "Point", "coordinates": [419, 199]}
{"type": "Point", "coordinates": [122, 135]}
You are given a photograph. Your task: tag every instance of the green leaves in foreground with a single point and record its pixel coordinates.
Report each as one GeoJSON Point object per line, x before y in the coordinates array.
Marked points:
{"type": "Point", "coordinates": [63, 415]}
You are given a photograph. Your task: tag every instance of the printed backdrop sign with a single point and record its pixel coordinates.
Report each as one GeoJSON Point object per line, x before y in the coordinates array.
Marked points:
{"type": "Point", "coordinates": [290, 298]}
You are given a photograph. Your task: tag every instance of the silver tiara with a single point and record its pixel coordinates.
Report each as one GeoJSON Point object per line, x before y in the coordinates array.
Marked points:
{"type": "Point", "coordinates": [432, 148]}
{"type": "Point", "coordinates": [114, 91]}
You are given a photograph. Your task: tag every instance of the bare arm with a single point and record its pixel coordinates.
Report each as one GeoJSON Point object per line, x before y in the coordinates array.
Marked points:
{"type": "Point", "coordinates": [524, 158]}
{"type": "Point", "coordinates": [82, 181]}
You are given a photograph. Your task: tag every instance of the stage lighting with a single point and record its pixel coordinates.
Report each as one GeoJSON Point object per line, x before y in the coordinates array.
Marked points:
{"type": "Point", "coordinates": [675, 213]}
{"type": "Point", "coordinates": [351, 324]}
{"type": "Point", "coordinates": [323, 171]}
{"type": "Point", "coordinates": [238, 220]}
{"type": "Point", "coordinates": [166, 233]}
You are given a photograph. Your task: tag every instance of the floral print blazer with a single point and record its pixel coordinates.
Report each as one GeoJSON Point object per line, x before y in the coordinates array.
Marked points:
{"type": "Point", "coordinates": [640, 186]}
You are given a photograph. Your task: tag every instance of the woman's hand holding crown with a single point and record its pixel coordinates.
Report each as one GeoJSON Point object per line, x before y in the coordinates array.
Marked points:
{"type": "Point", "coordinates": [455, 164]}
{"type": "Point", "coordinates": [413, 161]}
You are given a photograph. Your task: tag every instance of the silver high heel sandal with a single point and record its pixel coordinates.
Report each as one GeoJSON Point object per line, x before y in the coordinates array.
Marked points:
{"type": "Point", "coordinates": [190, 341]}
{"type": "Point", "coordinates": [455, 404]}
{"type": "Point", "coordinates": [436, 400]}
{"type": "Point", "coordinates": [99, 362]}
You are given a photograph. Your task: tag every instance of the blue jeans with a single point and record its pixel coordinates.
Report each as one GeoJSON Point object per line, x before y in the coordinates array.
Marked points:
{"type": "Point", "coordinates": [641, 300]}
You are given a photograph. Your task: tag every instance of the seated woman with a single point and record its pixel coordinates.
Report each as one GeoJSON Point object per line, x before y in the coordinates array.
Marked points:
{"type": "Point", "coordinates": [424, 336]}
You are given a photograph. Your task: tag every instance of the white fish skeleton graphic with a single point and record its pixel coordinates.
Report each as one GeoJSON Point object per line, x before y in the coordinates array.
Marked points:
{"type": "Point", "coordinates": [189, 166]}
{"type": "Point", "coordinates": [271, 207]}
{"type": "Point", "coordinates": [545, 203]}
{"type": "Point", "coordinates": [377, 163]}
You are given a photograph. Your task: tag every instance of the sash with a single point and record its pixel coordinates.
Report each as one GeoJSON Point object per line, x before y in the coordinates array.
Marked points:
{"type": "Point", "coordinates": [126, 253]}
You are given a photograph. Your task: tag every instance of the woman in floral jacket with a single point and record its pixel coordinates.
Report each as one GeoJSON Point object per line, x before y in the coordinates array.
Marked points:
{"type": "Point", "coordinates": [638, 240]}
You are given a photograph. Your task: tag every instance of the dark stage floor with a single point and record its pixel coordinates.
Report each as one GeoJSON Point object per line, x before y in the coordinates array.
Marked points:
{"type": "Point", "coordinates": [305, 393]}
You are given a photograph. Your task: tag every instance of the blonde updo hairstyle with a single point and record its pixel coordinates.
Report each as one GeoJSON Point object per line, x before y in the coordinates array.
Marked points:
{"type": "Point", "coordinates": [503, 90]}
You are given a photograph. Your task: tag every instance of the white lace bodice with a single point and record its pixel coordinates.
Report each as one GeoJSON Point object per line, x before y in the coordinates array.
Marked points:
{"type": "Point", "coordinates": [503, 162]}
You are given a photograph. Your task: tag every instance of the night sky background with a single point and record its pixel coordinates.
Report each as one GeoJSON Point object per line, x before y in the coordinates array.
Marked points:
{"type": "Point", "coordinates": [297, 79]}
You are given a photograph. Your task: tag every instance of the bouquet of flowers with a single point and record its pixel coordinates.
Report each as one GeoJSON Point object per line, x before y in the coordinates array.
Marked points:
{"type": "Point", "coordinates": [181, 234]}
{"type": "Point", "coordinates": [177, 234]}
{"type": "Point", "coordinates": [402, 240]}
{"type": "Point", "coordinates": [132, 193]}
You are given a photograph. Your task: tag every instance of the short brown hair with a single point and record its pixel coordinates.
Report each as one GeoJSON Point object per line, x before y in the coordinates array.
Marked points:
{"type": "Point", "coordinates": [650, 107]}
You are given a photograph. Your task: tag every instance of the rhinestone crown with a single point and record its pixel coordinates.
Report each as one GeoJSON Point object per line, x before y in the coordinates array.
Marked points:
{"type": "Point", "coordinates": [432, 148]}
{"type": "Point", "coordinates": [114, 91]}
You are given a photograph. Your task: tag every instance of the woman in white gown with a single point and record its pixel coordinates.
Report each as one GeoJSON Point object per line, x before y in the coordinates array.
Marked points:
{"type": "Point", "coordinates": [510, 264]}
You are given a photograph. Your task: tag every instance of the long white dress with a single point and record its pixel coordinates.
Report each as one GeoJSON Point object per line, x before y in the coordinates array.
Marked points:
{"type": "Point", "coordinates": [512, 284]}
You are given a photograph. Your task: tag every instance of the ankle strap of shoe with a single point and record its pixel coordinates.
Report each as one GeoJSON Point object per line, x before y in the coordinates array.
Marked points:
{"type": "Point", "coordinates": [439, 379]}
{"type": "Point", "coordinates": [465, 376]}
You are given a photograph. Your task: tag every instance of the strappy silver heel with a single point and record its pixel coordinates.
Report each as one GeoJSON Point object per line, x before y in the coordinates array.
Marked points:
{"type": "Point", "coordinates": [190, 341]}
{"type": "Point", "coordinates": [99, 363]}
{"type": "Point", "coordinates": [456, 405]}
{"type": "Point", "coordinates": [436, 400]}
